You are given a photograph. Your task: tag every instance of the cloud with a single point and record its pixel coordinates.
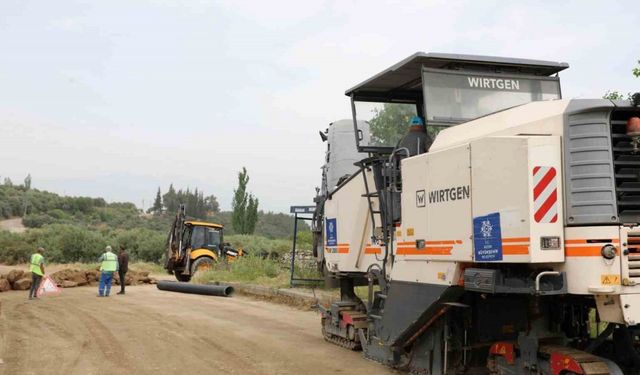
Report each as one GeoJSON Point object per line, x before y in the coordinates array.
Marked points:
{"type": "Point", "coordinates": [105, 98]}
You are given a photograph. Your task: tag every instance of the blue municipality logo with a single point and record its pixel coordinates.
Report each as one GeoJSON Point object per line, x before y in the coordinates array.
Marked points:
{"type": "Point", "coordinates": [487, 238]}
{"type": "Point", "coordinates": [486, 228]}
{"type": "Point", "coordinates": [332, 232]}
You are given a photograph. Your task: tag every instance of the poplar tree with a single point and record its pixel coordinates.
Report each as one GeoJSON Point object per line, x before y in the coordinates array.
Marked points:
{"type": "Point", "coordinates": [251, 216]}
{"type": "Point", "coordinates": [244, 205]}
{"type": "Point", "coordinates": [157, 204]}
{"type": "Point", "coordinates": [239, 204]}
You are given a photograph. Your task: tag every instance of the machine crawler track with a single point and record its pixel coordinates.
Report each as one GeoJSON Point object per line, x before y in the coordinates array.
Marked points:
{"type": "Point", "coordinates": [341, 341]}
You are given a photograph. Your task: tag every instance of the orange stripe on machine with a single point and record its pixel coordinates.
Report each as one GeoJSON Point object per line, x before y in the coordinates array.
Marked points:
{"type": "Point", "coordinates": [583, 251]}
{"type": "Point", "coordinates": [592, 241]}
{"type": "Point", "coordinates": [337, 250]}
{"type": "Point", "coordinates": [372, 250]}
{"type": "Point", "coordinates": [439, 250]}
{"type": "Point", "coordinates": [432, 247]}
{"type": "Point", "coordinates": [516, 239]}
{"type": "Point", "coordinates": [587, 247]}
{"type": "Point", "coordinates": [515, 246]}
{"type": "Point", "coordinates": [433, 242]}
{"type": "Point", "coordinates": [515, 249]}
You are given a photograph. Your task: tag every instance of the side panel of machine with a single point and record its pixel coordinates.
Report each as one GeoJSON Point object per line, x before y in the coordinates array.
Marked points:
{"type": "Point", "coordinates": [587, 271]}
{"type": "Point", "coordinates": [347, 228]}
{"type": "Point", "coordinates": [436, 212]}
{"type": "Point", "coordinates": [516, 191]}
{"type": "Point", "coordinates": [436, 206]}
{"type": "Point", "coordinates": [589, 176]}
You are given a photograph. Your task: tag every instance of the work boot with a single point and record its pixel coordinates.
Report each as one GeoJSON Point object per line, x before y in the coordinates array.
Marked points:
{"type": "Point", "coordinates": [120, 292]}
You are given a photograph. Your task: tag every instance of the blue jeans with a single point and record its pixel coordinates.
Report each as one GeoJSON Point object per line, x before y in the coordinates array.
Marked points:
{"type": "Point", "coordinates": [105, 281]}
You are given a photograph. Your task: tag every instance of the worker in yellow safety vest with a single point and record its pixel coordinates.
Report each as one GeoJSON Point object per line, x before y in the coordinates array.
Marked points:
{"type": "Point", "coordinates": [108, 265]}
{"type": "Point", "coordinates": [36, 267]}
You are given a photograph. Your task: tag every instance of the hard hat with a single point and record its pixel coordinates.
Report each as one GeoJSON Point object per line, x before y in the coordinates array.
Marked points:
{"type": "Point", "coordinates": [108, 248]}
{"type": "Point", "coordinates": [416, 120]}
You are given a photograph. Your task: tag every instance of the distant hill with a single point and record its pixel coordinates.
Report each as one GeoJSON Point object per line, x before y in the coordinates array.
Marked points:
{"type": "Point", "coordinates": [40, 208]}
{"type": "Point", "coordinates": [76, 229]}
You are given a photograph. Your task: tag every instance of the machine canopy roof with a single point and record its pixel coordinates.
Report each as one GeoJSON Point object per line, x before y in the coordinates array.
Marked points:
{"type": "Point", "coordinates": [403, 81]}
{"type": "Point", "coordinates": [202, 224]}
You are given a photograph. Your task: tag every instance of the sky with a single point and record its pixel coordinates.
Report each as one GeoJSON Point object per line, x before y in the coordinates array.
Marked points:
{"type": "Point", "coordinates": [117, 98]}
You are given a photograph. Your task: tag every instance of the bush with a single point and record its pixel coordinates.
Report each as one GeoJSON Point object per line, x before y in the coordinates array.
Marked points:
{"type": "Point", "coordinates": [258, 244]}
{"type": "Point", "coordinates": [58, 214]}
{"type": "Point", "coordinates": [250, 269]}
{"type": "Point", "coordinates": [66, 243]}
{"type": "Point", "coordinates": [143, 244]}
{"type": "Point", "coordinates": [305, 240]}
{"type": "Point", "coordinates": [13, 249]}
{"type": "Point", "coordinates": [37, 220]}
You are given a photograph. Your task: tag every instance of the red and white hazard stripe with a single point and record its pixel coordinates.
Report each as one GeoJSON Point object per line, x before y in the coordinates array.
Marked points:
{"type": "Point", "coordinates": [545, 195]}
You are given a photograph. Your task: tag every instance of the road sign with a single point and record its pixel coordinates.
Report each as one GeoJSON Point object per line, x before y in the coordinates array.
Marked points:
{"type": "Point", "coordinates": [47, 286]}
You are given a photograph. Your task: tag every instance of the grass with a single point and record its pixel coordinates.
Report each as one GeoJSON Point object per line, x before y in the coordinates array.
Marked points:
{"type": "Point", "coordinates": [249, 269]}
{"type": "Point", "coordinates": [255, 270]}
{"type": "Point", "coordinates": [152, 268]}
{"type": "Point", "coordinates": [256, 244]}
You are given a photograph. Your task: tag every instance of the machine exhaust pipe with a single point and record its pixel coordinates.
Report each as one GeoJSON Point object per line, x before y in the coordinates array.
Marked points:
{"type": "Point", "coordinates": [209, 290]}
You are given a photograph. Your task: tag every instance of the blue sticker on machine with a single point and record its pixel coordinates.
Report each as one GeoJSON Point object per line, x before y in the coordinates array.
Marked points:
{"type": "Point", "coordinates": [332, 232]}
{"type": "Point", "coordinates": [487, 238]}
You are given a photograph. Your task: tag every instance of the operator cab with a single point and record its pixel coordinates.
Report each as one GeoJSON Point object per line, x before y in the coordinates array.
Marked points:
{"type": "Point", "coordinates": [201, 235]}
{"type": "Point", "coordinates": [445, 90]}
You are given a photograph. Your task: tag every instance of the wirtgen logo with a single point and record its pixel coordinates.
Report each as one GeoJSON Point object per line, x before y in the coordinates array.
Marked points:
{"type": "Point", "coordinates": [450, 194]}
{"type": "Point", "coordinates": [494, 83]}
{"type": "Point", "coordinates": [421, 200]}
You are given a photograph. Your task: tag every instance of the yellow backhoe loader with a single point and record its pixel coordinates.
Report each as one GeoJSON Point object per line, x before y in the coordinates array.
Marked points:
{"type": "Point", "coordinates": [195, 246]}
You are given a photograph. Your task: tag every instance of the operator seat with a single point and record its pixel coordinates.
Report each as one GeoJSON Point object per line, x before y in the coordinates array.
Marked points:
{"type": "Point", "coordinates": [417, 142]}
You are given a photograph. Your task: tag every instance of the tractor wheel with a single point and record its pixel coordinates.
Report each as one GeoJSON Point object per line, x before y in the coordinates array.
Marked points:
{"type": "Point", "coordinates": [201, 264]}
{"type": "Point", "coordinates": [181, 277]}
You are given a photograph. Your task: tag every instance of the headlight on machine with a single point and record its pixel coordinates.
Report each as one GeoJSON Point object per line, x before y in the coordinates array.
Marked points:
{"type": "Point", "coordinates": [608, 251]}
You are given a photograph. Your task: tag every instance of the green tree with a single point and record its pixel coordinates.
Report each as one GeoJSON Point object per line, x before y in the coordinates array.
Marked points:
{"type": "Point", "coordinates": [170, 200]}
{"type": "Point", "coordinates": [157, 204]}
{"type": "Point", "coordinates": [239, 204]}
{"type": "Point", "coordinates": [27, 182]}
{"type": "Point", "coordinates": [245, 206]}
{"type": "Point", "coordinates": [212, 205]}
{"type": "Point", "coordinates": [389, 124]}
{"type": "Point", "coordinates": [251, 217]}
{"type": "Point", "coordinates": [613, 95]}
{"type": "Point", "coordinates": [636, 71]}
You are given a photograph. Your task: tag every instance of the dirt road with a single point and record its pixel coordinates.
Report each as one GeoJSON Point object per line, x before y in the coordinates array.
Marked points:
{"type": "Point", "coordinates": [153, 332]}
{"type": "Point", "coordinates": [13, 225]}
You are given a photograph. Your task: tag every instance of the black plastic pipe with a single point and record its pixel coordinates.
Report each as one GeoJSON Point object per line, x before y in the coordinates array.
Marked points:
{"type": "Point", "coordinates": [209, 290]}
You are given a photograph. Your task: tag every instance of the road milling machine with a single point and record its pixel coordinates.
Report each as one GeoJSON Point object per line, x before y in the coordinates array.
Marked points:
{"type": "Point", "coordinates": [511, 246]}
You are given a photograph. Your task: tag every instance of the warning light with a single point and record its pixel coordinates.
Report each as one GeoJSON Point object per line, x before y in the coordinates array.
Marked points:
{"type": "Point", "coordinates": [633, 131]}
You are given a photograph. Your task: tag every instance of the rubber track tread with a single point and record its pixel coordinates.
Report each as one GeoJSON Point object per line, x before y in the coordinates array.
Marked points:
{"type": "Point", "coordinates": [341, 341]}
